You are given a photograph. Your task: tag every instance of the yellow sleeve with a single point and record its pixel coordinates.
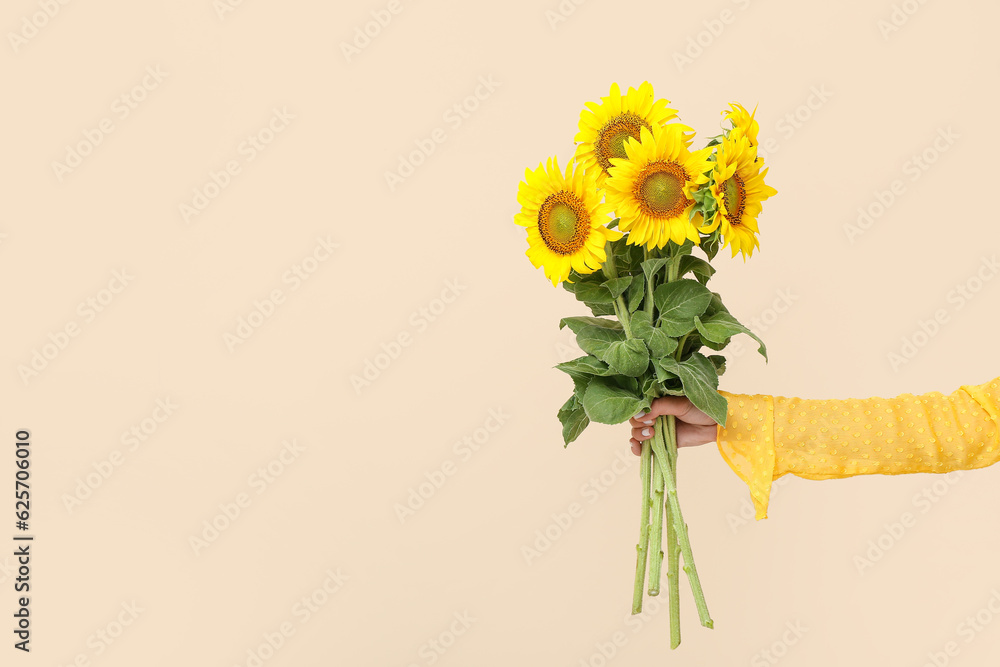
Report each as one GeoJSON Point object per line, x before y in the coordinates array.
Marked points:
{"type": "Point", "coordinates": [766, 437]}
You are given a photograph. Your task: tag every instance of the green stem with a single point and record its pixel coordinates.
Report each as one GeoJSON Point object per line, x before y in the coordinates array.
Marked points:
{"type": "Point", "coordinates": [673, 546]}
{"type": "Point", "coordinates": [611, 272]}
{"type": "Point", "coordinates": [680, 346]}
{"type": "Point", "coordinates": [609, 263]}
{"type": "Point", "coordinates": [642, 547]}
{"type": "Point", "coordinates": [656, 539]}
{"type": "Point", "coordinates": [621, 312]}
{"type": "Point", "coordinates": [649, 284]}
{"type": "Point", "coordinates": [674, 266]}
{"type": "Point", "coordinates": [662, 459]}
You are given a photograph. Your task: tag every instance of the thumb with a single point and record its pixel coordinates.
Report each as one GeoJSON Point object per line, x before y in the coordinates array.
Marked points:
{"type": "Point", "coordinates": [677, 406]}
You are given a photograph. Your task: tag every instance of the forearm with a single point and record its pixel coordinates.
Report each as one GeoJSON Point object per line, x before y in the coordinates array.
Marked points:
{"type": "Point", "coordinates": [766, 437]}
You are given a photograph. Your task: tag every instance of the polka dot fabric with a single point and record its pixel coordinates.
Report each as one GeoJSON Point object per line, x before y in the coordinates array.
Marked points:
{"type": "Point", "coordinates": [766, 437]}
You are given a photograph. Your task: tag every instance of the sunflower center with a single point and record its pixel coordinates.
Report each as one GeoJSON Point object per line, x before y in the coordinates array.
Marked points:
{"type": "Point", "coordinates": [563, 223]}
{"type": "Point", "coordinates": [612, 137]}
{"type": "Point", "coordinates": [659, 189]}
{"type": "Point", "coordinates": [616, 144]}
{"type": "Point", "coordinates": [734, 194]}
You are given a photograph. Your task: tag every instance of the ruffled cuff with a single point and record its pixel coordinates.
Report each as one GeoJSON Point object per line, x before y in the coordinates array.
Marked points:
{"type": "Point", "coordinates": [746, 443]}
{"type": "Point", "coordinates": [987, 396]}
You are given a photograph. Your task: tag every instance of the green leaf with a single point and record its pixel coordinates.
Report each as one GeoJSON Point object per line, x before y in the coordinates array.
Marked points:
{"type": "Point", "coordinates": [710, 246]}
{"type": "Point", "coordinates": [578, 324]}
{"type": "Point", "coordinates": [721, 326]}
{"type": "Point", "coordinates": [701, 269]}
{"type": "Point", "coordinates": [606, 403]}
{"type": "Point", "coordinates": [660, 344]}
{"type": "Point", "coordinates": [636, 292]}
{"type": "Point", "coordinates": [670, 365]}
{"type": "Point", "coordinates": [581, 379]}
{"type": "Point", "coordinates": [629, 384]}
{"type": "Point", "coordinates": [593, 277]}
{"type": "Point", "coordinates": [716, 329]}
{"type": "Point", "coordinates": [677, 329]}
{"type": "Point", "coordinates": [718, 347]}
{"type": "Point", "coordinates": [625, 256]}
{"type": "Point", "coordinates": [720, 363]}
{"type": "Point", "coordinates": [705, 365]}
{"type": "Point", "coordinates": [700, 380]}
{"type": "Point", "coordinates": [641, 323]}
{"type": "Point", "coordinates": [681, 300]}
{"type": "Point", "coordinates": [661, 375]}
{"type": "Point", "coordinates": [716, 306]}
{"type": "Point", "coordinates": [574, 419]}
{"type": "Point", "coordinates": [600, 309]}
{"type": "Point", "coordinates": [678, 302]}
{"type": "Point", "coordinates": [594, 334]}
{"type": "Point", "coordinates": [617, 285]}
{"type": "Point", "coordinates": [650, 387]}
{"type": "Point", "coordinates": [613, 224]}
{"type": "Point", "coordinates": [651, 267]}
{"type": "Point", "coordinates": [637, 257]}
{"type": "Point", "coordinates": [596, 340]}
{"type": "Point", "coordinates": [763, 348]}
{"type": "Point", "coordinates": [629, 357]}
{"type": "Point", "coordinates": [580, 384]}
{"type": "Point", "coordinates": [587, 365]}
{"type": "Point", "coordinates": [691, 344]}
{"type": "Point", "coordinates": [587, 287]}
{"type": "Point", "coordinates": [593, 293]}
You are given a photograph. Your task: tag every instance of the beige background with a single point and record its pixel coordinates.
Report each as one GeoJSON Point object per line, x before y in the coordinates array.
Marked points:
{"type": "Point", "coordinates": [846, 106]}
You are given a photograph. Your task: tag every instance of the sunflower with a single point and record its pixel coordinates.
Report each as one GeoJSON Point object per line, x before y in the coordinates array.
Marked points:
{"type": "Point", "coordinates": [651, 190]}
{"type": "Point", "coordinates": [564, 217]}
{"type": "Point", "coordinates": [743, 122]}
{"type": "Point", "coordinates": [738, 189]}
{"type": "Point", "coordinates": [605, 127]}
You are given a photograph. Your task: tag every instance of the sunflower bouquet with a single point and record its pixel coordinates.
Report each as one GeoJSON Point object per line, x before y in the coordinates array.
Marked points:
{"type": "Point", "coordinates": [655, 323]}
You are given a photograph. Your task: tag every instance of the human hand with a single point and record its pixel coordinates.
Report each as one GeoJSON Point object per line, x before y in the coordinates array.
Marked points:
{"type": "Point", "coordinates": [694, 427]}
